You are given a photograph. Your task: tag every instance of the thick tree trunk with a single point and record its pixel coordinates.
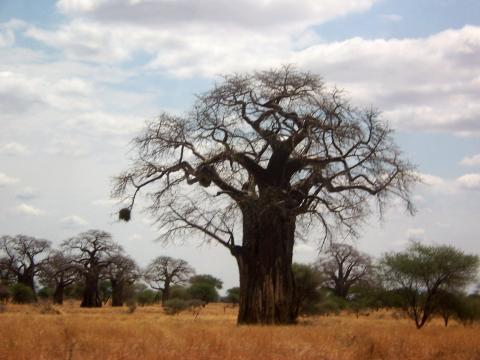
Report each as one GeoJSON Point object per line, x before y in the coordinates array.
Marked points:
{"type": "Point", "coordinates": [58, 294]}
{"type": "Point", "coordinates": [91, 296]}
{"type": "Point", "coordinates": [118, 296]}
{"type": "Point", "coordinates": [267, 290]}
{"type": "Point", "coordinates": [165, 292]}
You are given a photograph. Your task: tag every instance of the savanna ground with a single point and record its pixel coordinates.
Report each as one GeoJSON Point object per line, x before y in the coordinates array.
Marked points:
{"type": "Point", "coordinates": [27, 332]}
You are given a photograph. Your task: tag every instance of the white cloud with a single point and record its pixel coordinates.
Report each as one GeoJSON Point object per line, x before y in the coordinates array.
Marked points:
{"type": "Point", "coordinates": [421, 84]}
{"type": "Point", "coordinates": [73, 221]}
{"type": "Point", "coordinates": [469, 182]}
{"type": "Point", "coordinates": [471, 160]}
{"type": "Point", "coordinates": [14, 149]}
{"type": "Point", "coordinates": [27, 193]}
{"type": "Point", "coordinates": [30, 210]}
{"type": "Point", "coordinates": [415, 234]}
{"type": "Point", "coordinates": [242, 13]}
{"type": "Point", "coordinates": [391, 17]}
{"type": "Point", "coordinates": [66, 147]}
{"type": "Point", "coordinates": [6, 180]}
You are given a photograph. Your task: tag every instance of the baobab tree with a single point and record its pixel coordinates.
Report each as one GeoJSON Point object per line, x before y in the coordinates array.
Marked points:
{"type": "Point", "coordinates": [122, 273]}
{"type": "Point", "coordinates": [23, 256]}
{"type": "Point", "coordinates": [91, 251]}
{"type": "Point", "coordinates": [164, 272]}
{"type": "Point", "coordinates": [58, 271]}
{"type": "Point", "coordinates": [344, 266]}
{"type": "Point", "coordinates": [267, 154]}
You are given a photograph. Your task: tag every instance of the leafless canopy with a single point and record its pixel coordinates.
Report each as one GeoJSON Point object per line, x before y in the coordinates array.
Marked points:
{"type": "Point", "coordinates": [277, 138]}
{"type": "Point", "coordinates": [344, 266]}
{"type": "Point", "coordinates": [22, 256]}
{"type": "Point", "coordinates": [165, 271]}
{"type": "Point", "coordinates": [91, 250]}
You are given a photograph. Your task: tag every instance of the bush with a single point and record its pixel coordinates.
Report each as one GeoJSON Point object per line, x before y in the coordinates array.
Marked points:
{"type": "Point", "coordinates": [132, 306]}
{"type": "Point", "coordinates": [45, 293]}
{"type": "Point", "coordinates": [146, 297]}
{"type": "Point", "coordinates": [179, 292]}
{"type": "Point", "coordinates": [22, 294]}
{"type": "Point", "coordinates": [174, 306]}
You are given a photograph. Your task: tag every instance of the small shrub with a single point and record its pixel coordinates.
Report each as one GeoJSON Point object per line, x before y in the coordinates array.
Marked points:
{"type": "Point", "coordinates": [146, 297]}
{"type": "Point", "coordinates": [45, 293]}
{"type": "Point", "coordinates": [131, 305]}
{"type": "Point", "coordinates": [174, 306]}
{"type": "Point", "coordinates": [3, 308]}
{"type": "Point", "coordinates": [22, 294]}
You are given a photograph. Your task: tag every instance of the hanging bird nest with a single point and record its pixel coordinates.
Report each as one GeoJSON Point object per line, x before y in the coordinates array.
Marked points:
{"type": "Point", "coordinates": [204, 175]}
{"type": "Point", "coordinates": [124, 214]}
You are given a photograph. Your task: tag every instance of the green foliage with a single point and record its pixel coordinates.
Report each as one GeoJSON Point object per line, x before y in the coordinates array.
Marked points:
{"type": "Point", "coordinates": [22, 294]}
{"type": "Point", "coordinates": [45, 293]}
{"type": "Point", "coordinates": [423, 272]}
{"type": "Point", "coordinates": [146, 297]}
{"type": "Point", "coordinates": [233, 295]}
{"type": "Point", "coordinates": [105, 290]}
{"type": "Point", "coordinates": [179, 292]}
{"type": "Point", "coordinates": [174, 306]}
{"type": "Point", "coordinates": [330, 304]}
{"type": "Point", "coordinates": [206, 279]}
{"type": "Point", "coordinates": [203, 291]}
{"type": "Point", "coordinates": [308, 282]}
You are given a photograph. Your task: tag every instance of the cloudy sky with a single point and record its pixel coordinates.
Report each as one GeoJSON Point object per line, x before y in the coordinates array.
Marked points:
{"type": "Point", "coordinates": [78, 78]}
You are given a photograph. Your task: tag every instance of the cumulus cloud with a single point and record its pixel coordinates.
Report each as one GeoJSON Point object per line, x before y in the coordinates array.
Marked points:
{"type": "Point", "coordinates": [13, 149]}
{"type": "Point", "coordinates": [6, 180]}
{"type": "Point", "coordinates": [391, 17]}
{"type": "Point", "coordinates": [29, 210]}
{"type": "Point", "coordinates": [242, 13]}
{"type": "Point", "coordinates": [421, 84]}
{"type": "Point", "coordinates": [469, 182]}
{"type": "Point", "coordinates": [73, 221]}
{"type": "Point", "coordinates": [27, 193]}
{"type": "Point", "coordinates": [303, 248]}
{"type": "Point", "coordinates": [471, 160]}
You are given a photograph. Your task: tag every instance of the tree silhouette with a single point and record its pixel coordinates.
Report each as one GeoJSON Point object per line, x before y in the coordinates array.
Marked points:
{"type": "Point", "coordinates": [23, 256]}
{"type": "Point", "coordinates": [268, 154]}
{"type": "Point", "coordinates": [164, 272]}
{"type": "Point", "coordinates": [91, 251]}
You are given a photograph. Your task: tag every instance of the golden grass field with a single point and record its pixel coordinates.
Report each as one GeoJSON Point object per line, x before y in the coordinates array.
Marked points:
{"type": "Point", "coordinates": [113, 333]}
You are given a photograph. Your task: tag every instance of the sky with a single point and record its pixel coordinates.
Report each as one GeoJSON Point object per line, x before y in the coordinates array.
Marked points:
{"type": "Point", "coordinates": [79, 78]}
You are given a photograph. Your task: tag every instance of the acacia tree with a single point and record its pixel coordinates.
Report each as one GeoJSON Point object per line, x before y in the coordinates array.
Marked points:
{"type": "Point", "coordinates": [122, 273]}
{"type": "Point", "coordinates": [91, 251]}
{"type": "Point", "coordinates": [59, 271]}
{"type": "Point", "coordinates": [164, 272]}
{"type": "Point", "coordinates": [23, 256]}
{"type": "Point", "coordinates": [423, 273]}
{"type": "Point", "coordinates": [344, 267]}
{"type": "Point", "coordinates": [265, 152]}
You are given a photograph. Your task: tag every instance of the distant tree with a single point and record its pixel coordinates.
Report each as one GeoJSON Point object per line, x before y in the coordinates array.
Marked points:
{"type": "Point", "coordinates": [344, 267]}
{"type": "Point", "coordinates": [122, 273]}
{"type": "Point", "coordinates": [58, 271]}
{"type": "Point", "coordinates": [275, 150]}
{"type": "Point", "coordinates": [23, 256]}
{"type": "Point", "coordinates": [92, 252]}
{"type": "Point", "coordinates": [146, 297]}
{"type": "Point", "coordinates": [206, 279]}
{"type": "Point", "coordinates": [203, 291]}
{"type": "Point", "coordinates": [422, 273]}
{"type": "Point", "coordinates": [164, 271]}
{"type": "Point", "coordinates": [233, 295]}
{"type": "Point", "coordinates": [308, 287]}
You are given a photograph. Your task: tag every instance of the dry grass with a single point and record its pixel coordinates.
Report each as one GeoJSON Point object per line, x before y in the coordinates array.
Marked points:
{"type": "Point", "coordinates": [112, 333]}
